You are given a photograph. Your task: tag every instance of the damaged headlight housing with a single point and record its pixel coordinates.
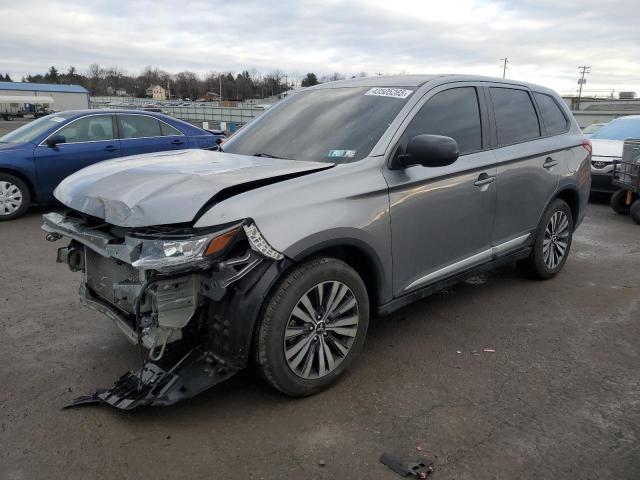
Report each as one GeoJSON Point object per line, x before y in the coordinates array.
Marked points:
{"type": "Point", "coordinates": [166, 254]}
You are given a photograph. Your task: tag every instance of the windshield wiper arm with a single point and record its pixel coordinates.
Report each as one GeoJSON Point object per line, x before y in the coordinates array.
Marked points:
{"type": "Point", "coordinates": [268, 155]}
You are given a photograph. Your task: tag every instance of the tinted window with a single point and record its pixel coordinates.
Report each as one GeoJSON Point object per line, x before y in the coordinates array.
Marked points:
{"type": "Point", "coordinates": [516, 119]}
{"type": "Point", "coordinates": [620, 129]}
{"type": "Point", "coordinates": [554, 120]}
{"type": "Point", "coordinates": [88, 129]}
{"type": "Point", "coordinates": [139, 126]}
{"type": "Point", "coordinates": [168, 130]}
{"type": "Point", "coordinates": [336, 125]}
{"type": "Point", "coordinates": [453, 113]}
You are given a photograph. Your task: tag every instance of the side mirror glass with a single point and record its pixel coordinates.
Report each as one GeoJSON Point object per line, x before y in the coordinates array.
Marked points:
{"type": "Point", "coordinates": [55, 140]}
{"type": "Point", "coordinates": [430, 151]}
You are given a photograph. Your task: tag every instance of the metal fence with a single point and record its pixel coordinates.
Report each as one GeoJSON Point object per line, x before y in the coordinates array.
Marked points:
{"type": "Point", "coordinates": [193, 112]}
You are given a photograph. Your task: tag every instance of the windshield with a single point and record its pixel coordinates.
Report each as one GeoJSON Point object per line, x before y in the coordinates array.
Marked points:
{"type": "Point", "coordinates": [33, 130]}
{"type": "Point", "coordinates": [619, 129]}
{"type": "Point", "coordinates": [594, 127]}
{"type": "Point", "coordinates": [336, 125]}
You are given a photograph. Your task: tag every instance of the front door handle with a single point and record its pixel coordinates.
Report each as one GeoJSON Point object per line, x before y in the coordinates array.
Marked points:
{"type": "Point", "coordinates": [484, 179]}
{"type": "Point", "coordinates": [110, 148]}
{"type": "Point", "coordinates": [177, 142]}
{"type": "Point", "coordinates": [549, 162]}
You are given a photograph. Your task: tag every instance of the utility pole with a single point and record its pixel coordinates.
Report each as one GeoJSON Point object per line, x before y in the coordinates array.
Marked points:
{"type": "Point", "coordinates": [505, 61]}
{"type": "Point", "coordinates": [581, 81]}
{"type": "Point", "coordinates": [220, 81]}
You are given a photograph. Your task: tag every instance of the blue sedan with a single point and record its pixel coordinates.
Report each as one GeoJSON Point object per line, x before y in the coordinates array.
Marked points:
{"type": "Point", "coordinates": [36, 157]}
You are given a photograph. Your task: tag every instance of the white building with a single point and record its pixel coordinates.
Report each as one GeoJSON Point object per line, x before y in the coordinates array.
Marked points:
{"type": "Point", "coordinates": [157, 92]}
{"type": "Point", "coordinates": [54, 96]}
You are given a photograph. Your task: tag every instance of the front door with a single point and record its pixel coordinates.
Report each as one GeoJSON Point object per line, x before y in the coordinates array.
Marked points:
{"type": "Point", "coordinates": [442, 217]}
{"type": "Point", "coordinates": [88, 140]}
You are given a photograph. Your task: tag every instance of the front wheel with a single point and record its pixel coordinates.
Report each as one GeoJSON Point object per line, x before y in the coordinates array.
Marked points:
{"type": "Point", "coordinates": [552, 243]}
{"type": "Point", "coordinates": [15, 197]}
{"type": "Point", "coordinates": [313, 326]}
{"type": "Point", "coordinates": [618, 202]}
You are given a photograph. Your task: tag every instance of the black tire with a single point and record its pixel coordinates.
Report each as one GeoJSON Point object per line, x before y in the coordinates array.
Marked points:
{"type": "Point", "coordinates": [25, 195]}
{"type": "Point", "coordinates": [635, 211]}
{"type": "Point", "coordinates": [535, 265]}
{"type": "Point", "coordinates": [270, 339]}
{"type": "Point", "coordinates": [618, 202]}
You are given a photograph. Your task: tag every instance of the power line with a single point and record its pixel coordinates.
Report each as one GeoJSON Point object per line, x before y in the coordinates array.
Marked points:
{"type": "Point", "coordinates": [581, 81]}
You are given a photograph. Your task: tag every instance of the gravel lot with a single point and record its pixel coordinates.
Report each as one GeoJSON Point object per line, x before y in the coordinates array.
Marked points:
{"type": "Point", "coordinates": [559, 398]}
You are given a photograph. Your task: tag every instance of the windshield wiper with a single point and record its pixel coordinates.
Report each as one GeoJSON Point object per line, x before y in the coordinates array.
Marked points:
{"type": "Point", "coordinates": [268, 155]}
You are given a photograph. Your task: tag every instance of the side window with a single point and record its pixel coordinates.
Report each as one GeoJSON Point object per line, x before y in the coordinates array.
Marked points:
{"type": "Point", "coordinates": [516, 118]}
{"type": "Point", "coordinates": [139, 126]}
{"type": "Point", "coordinates": [88, 129]}
{"type": "Point", "coordinates": [554, 120]}
{"type": "Point", "coordinates": [167, 130]}
{"type": "Point", "coordinates": [453, 113]}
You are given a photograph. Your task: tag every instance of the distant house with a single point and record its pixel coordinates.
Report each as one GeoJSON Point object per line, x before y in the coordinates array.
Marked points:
{"type": "Point", "coordinates": [121, 92]}
{"type": "Point", "coordinates": [157, 92]}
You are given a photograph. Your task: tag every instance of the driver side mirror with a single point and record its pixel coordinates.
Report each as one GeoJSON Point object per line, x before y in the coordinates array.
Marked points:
{"type": "Point", "coordinates": [55, 140]}
{"type": "Point", "coordinates": [430, 151]}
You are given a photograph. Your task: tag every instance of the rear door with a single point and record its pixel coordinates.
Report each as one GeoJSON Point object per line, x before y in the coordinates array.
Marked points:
{"type": "Point", "coordinates": [146, 134]}
{"type": "Point", "coordinates": [529, 164]}
{"type": "Point", "coordinates": [88, 140]}
{"type": "Point", "coordinates": [442, 217]}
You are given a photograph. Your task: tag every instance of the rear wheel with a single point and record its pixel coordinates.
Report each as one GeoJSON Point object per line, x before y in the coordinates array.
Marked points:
{"type": "Point", "coordinates": [14, 197]}
{"type": "Point", "coordinates": [552, 242]}
{"type": "Point", "coordinates": [313, 326]}
{"type": "Point", "coordinates": [618, 202]}
{"type": "Point", "coordinates": [635, 211]}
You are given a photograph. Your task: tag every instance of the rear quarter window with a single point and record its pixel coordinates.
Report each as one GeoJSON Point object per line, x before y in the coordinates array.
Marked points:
{"type": "Point", "coordinates": [554, 120]}
{"type": "Point", "coordinates": [516, 118]}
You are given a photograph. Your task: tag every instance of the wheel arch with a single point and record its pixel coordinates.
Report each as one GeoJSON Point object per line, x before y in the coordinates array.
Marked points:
{"type": "Point", "coordinates": [571, 197]}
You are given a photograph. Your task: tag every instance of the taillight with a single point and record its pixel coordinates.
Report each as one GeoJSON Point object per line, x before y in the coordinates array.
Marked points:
{"type": "Point", "coordinates": [587, 146]}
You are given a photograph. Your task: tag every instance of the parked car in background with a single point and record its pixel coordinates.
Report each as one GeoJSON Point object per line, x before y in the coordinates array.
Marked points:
{"type": "Point", "coordinates": [591, 129]}
{"type": "Point", "coordinates": [607, 145]}
{"type": "Point", "coordinates": [36, 157]}
{"type": "Point", "coordinates": [280, 246]}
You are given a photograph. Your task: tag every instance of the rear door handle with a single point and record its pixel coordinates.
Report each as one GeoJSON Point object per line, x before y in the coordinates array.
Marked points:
{"type": "Point", "coordinates": [110, 148]}
{"type": "Point", "coordinates": [484, 179]}
{"type": "Point", "coordinates": [177, 142]}
{"type": "Point", "coordinates": [549, 162]}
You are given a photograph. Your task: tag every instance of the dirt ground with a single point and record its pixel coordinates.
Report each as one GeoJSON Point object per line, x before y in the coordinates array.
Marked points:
{"type": "Point", "coordinates": [559, 398]}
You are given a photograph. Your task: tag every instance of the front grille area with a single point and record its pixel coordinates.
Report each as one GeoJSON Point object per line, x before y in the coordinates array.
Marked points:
{"type": "Point", "coordinates": [103, 272]}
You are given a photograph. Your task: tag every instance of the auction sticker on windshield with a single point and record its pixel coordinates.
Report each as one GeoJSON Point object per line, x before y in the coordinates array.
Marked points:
{"type": "Point", "coordinates": [57, 119]}
{"type": "Point", "coordinates": [342, 153]}
{"type": "Point", "coordinates": [389, 92]}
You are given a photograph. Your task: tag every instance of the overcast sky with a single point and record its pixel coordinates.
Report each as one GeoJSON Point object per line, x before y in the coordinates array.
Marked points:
{"type": "Point", "coordinates": [546, 40]}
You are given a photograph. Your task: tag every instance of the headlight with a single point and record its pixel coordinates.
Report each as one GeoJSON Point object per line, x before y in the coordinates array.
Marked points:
{"type": "Point", "coordinates": [164, 254]}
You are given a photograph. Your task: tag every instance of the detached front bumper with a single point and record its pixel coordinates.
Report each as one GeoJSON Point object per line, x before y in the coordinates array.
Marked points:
{"type": "Point", "coordinates": [196, 324]}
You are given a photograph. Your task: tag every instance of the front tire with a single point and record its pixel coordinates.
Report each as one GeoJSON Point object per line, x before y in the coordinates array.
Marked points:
{"type": "Point", "coordinates": [552, 243]}
{"type": "Point", "coordinates": [312, 327]}
{"type": "Point", "coordinates": [15, 197]}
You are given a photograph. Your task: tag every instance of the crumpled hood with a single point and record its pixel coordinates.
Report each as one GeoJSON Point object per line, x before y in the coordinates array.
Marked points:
{"type": "Point", "coordinates": [606, 148]}
{"type": "Point", "coordinates": [167, 187]}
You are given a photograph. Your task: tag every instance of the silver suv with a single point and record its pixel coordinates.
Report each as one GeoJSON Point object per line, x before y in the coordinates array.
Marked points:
{"type": "Point", "coordinates": [345, 200]}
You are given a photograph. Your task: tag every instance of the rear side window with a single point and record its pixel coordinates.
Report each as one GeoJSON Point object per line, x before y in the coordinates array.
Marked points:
{"type": "Point", "coordinates": [167, 130]}
{"type": "Point", "coordinates": [139, 126]}
{"type": "Point", "coordinates": [516, 119]}
{"type": "Point", "coordinates": [453, 113]}
{"type": "Point", "coordinates": [554, 120]}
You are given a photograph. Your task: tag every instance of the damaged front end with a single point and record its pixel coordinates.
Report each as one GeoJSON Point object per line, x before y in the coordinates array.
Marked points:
{"type": "Point", "coordinates": [188, 297]}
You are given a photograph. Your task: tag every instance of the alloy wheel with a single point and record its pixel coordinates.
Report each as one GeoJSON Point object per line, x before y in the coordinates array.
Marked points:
{"type": "Point", "coordinates": [321, 330]}
{"type": "Point", "coordinates": [10, 198]}
{"type": "Point", "coordinates": [556, 237]}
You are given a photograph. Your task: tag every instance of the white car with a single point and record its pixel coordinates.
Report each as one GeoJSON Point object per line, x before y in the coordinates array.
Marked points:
{"type": "Point", "coordinates": [607, 147]}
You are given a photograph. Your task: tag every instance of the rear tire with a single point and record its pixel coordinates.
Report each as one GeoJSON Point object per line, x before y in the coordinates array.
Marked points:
{"type": "Point", "coordinates": [312, 326]}
{"type": "Point", "coordinates": [618, 202]}
{"type": "Point", "coordinates": [552, 243]}
{"type": "Point", "coordinates": [635, 211]}
{"type": "Point", "coordinates": [15, 197]}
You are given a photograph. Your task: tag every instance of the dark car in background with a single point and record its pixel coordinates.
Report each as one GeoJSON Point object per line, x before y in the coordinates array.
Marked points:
{"type": "Point", "coordinates": [35, 158]}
